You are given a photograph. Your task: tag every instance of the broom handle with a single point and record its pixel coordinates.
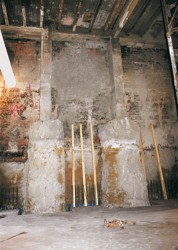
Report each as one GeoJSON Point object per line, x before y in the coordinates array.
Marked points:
{"type": "Point", "coordinates": [94, 166]}
{"type": "Point", "coordinates": [159, 163]}
{"type": "Point", "coordinates": [83, 167]}
{"type": "Point", "coordinates": [142, 153]}
{"type": "Point", "coordinates": [73, 166]}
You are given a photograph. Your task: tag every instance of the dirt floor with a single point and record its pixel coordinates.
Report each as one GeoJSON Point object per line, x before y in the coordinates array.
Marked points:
{"type": "Point", "coordinates": [83, 228]}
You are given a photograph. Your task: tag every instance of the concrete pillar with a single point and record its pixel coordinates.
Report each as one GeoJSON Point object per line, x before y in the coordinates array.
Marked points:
{"type": "Point", "coordinates": [116, 78]}
{"type": "Point", "coordinates": [45, 90]}
{"type": "Point", "coordinates": [45, 169]}
{"type": "Point", "coordinates": [123, 180]}
{"type": "Point", "coordinates": [46, 172]}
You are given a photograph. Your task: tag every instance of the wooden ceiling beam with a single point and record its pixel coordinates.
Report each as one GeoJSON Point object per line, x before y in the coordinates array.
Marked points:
{"type": "Point", "coordinates": [174, 30]}
{"type": "Point", "coordinates": [15, 32]}
{"type": "Point", "coordinates": [139, 12]}
{"type": "Point", "coordinates": [41, 13]}
{"type": "Point", "coordinates": [124, 16]}
{"type": "Point", "coordinates": [4, 10]}
{"type": "Point", "coordinates": [24, 16]}
{"type": "Point", "coordinates": [119, 4]}
{"type": "Point", "coordinates": [78, 8]}
{"type": "Point", "coordinates": [173, 16]}
{"type": "Point", "coordinates": [61, 3]}
{"type": "Point", "coordinates": [98, 4]}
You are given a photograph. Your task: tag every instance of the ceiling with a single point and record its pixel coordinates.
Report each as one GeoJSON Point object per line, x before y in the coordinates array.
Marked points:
{"type": "Point", "coordinates": [87, 16]}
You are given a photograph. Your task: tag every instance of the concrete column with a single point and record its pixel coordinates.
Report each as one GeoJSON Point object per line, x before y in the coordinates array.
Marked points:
{"type": "Point", "coordinates": [123, 182]}
{"type": "Point", "coordinates": [116, 78]}
{"type": "Point", "coordinates": [45, 91]}
{"type": "Point", "coordinates": [46, 172]}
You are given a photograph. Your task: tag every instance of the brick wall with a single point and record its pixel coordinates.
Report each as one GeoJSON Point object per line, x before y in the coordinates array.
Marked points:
{"type": "Point", "coordinates": [19, 106]}
{"type": "Point", "coordinates": [149, 98]}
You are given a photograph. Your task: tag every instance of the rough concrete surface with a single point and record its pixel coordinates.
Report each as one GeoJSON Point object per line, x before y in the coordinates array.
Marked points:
{"type": "Point", "coordinates": [45, 171]}
{"type": "Point", "coordinates": [83, 228]}
{"type": "Point", "coordinates": [123, 182]}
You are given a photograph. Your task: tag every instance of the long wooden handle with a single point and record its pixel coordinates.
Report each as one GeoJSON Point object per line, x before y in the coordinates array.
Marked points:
{"type": "Point", "coordinates": [83, 167]}
{"type": "Point", "coordinates": [159, 163]}
{"type": "Point", "coordinates": [94, 166]}
{"type": "Point", "coordinates": [73, 166]}
{"type": "Point", "coordinates": [142, 156]}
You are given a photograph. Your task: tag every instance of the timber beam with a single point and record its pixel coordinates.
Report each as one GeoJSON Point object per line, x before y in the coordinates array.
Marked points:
{"type": "Point", "coordinates": [4, 10]}
{"type": "Point", "coordinates": [15, 32]}
{"type": "Point", "coordinates": [128, 10]}
{"type": "Point", "coordinates": [170, 47]}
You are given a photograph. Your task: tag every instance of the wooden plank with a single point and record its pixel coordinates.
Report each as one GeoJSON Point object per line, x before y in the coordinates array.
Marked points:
{"type": "Point", "coordinates": [133, 20]}
{"type": "Point", "coordinates": [124, 17]}
{"type": "Point", "coordinates": [24, 17]}
{"type": "Point", "coordinates": [4, 10]}
{"type": "Point", "coordinates": [98, 4]}
{"type": "Point", "coordinates": [61, 3]}
{"type": "Point", "coordinates": [73, 167]}
{"type": "Point", "coordinates": [173, 16]}
{"type": "Point", "coordinates": [170, 47]}
{"type": "Point", "coordinates": [16, 32]}
{"type": "Point", "coordinates": [78, 8]}
{"type": "Point", "coordinates": [41, 13]}
{"type": "Point", "coordinates": [159, 163]}
{"type": "Point", "coordinates": [142, 155]}
{"type": "Point", "coordinates": [94, 165]}
{"type": "Point", "coordinates": [115, 13]}
{"type": "Point", "coordinates": [83, 167]}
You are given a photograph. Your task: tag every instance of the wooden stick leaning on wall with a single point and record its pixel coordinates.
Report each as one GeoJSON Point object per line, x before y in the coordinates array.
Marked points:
{"type": "Point", "coordinates": [83, 167]}
{"type": "Point", "coordinates": [73, 167]}
{"type": "Point", "coordinates": [142, 156]}
{"type": "Point", "coordinates": [159, 163]}
{"type": "Point", "coordinates": [94, 166]}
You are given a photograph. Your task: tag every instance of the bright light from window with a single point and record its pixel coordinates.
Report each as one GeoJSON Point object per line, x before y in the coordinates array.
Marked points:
{"type": "Point", "coordinates": [5, 65]}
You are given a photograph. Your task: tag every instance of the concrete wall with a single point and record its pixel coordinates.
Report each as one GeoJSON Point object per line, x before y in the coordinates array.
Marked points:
{"type": "Point", "coordinates": [81, 82]}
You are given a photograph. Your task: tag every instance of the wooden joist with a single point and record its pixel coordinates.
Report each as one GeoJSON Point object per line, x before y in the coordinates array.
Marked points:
{"type": "Point", "coordinates": [173, 16]}
{"type": "Point", "coordinates": [61, 3]}
{"type": "Point", "coordinates": [16, 32]}
{"type": "Point", "coordinates": [124, 17]}
{"type": "Point", "coordinates": [98, 4]}
{"type": "Point", "coordinates": [4, 10]}
{"type": "Point", "coordinates": [41, 13]}
{"type": "Point", "coordinates": [115, 13]}
{"type": "Point", "coordinates": [78, 8]}
{"type": "Point", "coordinates": [24, 16]}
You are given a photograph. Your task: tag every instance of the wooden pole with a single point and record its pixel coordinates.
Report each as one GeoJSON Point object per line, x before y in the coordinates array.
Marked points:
{"type": "Point", "coordinates": [73, 166]}
{"type": "Point", "coordinates": [83, 167]}
{"type": "Point", "coordinates": [159, 163]}
{"type": "Point", "coordinates": [142, 156]}
{"type": "Point", "coordinates": [94, 166]}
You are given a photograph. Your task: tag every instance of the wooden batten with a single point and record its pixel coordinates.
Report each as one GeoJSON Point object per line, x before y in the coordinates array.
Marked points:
{"type": "Point", "coordinates": [79, 6]}
{"type": "Point", "coordinates": [41, 13]}
{"type": "Point", "coordinates": [4, 10]}
{"type": "Point", "coordinates": [61, 3]}
{"type": "Point", "coordinates": [114, 14]}
{"type": "Point", "coordinates": [24, 16]}
{"type": "Point", "coordinates": [125, 16]}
